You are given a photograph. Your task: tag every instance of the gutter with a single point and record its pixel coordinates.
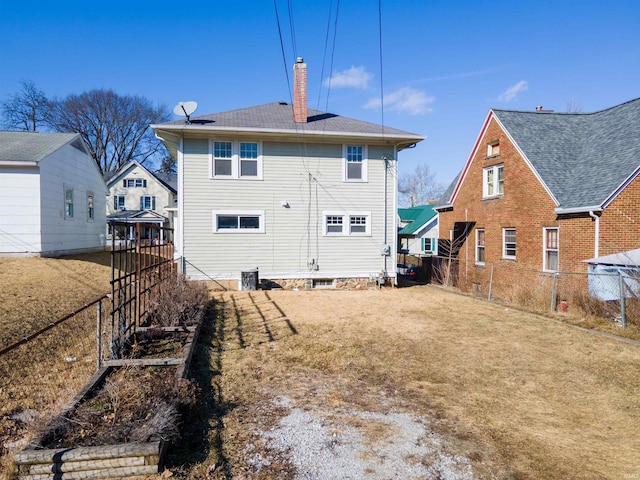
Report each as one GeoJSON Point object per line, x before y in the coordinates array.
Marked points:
{"type": "Point", "coordinates": [596, 243]}
{"type": "Point", "coordinates": [566, 211]}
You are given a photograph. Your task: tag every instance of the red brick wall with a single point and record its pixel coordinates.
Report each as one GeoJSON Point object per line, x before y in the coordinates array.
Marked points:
{"type": "Point", "coordinates": [620, 222]}
{"type": "Point", "coordinates": [525, 206]}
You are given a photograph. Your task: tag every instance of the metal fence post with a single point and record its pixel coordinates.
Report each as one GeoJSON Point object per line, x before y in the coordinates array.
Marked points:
{"type": "Point", "coordinates": [623, 318]}
{"type": "Point", "coordinates": [554, 300]}
{"type": "Point", "coordinates": [98, 334]}
{"type": "Point", "coordinates": [490, 282]}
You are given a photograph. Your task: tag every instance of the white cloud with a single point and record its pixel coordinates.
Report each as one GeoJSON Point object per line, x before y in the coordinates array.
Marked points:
{"type": "Point", "coordinates": [406, 100]}
{"type": "Point", "coordinates": [354, 77]}
{"type": "Point", "coordinates": [511, 92]}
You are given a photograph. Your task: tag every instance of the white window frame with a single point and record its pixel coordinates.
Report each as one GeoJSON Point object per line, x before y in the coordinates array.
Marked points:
{"type": "Point", "coordinates": [345, 164]}
{"type": "Point", "coordinates": [236, 161]}
{"type": "Point", "coordinates": [239, 213]}
{"type": "Point", "coordinates": [152, 202]}
{"type": "Point", "coordinates": [546, 249]}
{"type": "Point", "coordinates": [496, 183]}
{"type": "Point", "coordinates": [68, 202]}
{"type": "Point", "coordinates": [432, 245]}
{"type": "Point", "coordinates": [91, 207]}
{"type": "Point", "coordinates": [505, 243]}
{"type": "Point", "coordinates": [134, 183]}
{"type": "Point", "coordinates": [116, 203]}
{"type": "Point", "coordinates": [493, 149]}
{"type": "Point", "coordinates": [346, 218]}
{"type": "Point", "coordinates": [483, 246]}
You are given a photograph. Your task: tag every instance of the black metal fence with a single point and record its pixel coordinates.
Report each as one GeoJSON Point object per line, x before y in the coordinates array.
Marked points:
{"type": "Point", "coordinates": [138, 267]}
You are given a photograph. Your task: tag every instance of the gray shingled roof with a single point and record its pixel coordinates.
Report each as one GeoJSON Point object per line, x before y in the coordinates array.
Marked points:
{"type": "Point", "coordinates": [583, 158]}
{"type": "Point", "coordinates": [278, 117]}
{"type": "Point", "coordinates": [32, 146]}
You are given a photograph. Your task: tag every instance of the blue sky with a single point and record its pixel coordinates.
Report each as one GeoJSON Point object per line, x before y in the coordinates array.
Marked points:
{"type": "Point", "coordinates": [444, 63]}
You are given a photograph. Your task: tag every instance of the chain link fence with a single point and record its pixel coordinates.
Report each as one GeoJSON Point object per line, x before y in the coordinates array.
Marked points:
{"type": "Point", "coordinates": [613, 295]}
{"type": "Point", "coordinates": [43, 371]}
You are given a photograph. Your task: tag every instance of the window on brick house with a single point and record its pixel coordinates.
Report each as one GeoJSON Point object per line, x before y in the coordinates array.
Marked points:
{"type": "Point", "coordinates": [480, 259]}
{"type": "Point", "coordinates": [493, 181]}
{"type": "Point", "coordinates": [493, 149]}
{"type": "Point", "coordinates": [551, 249]}
{"type": "Point", "coordinates": [509, 243]}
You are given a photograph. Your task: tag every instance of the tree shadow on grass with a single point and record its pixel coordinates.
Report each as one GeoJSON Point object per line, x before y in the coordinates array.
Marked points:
{"type": "Point", "coordinates": [202, 426]}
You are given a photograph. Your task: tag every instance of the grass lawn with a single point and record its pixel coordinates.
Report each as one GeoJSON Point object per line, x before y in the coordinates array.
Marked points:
{"type": "Point", "coordinates": [520, 395]}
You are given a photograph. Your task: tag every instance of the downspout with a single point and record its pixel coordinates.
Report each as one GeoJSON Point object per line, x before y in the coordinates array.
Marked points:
{"type": "Point", "coordinates": [384, 240]}
{"type": "Point", "coordinates": [597, 233]}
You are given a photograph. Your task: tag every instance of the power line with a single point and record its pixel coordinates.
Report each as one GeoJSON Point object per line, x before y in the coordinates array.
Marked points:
{"type": "Point", "coordinates": [381, 70]}
{"type": "Point", "coordinates": [284, 57]}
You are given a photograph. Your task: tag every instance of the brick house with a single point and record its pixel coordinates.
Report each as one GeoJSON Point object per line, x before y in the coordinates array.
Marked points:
{"type": "Point", "coordinates": [545, 190]}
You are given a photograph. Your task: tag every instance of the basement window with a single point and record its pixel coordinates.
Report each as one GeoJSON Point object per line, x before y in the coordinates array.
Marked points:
{"type": "Point", "coordinates": [323, 283]}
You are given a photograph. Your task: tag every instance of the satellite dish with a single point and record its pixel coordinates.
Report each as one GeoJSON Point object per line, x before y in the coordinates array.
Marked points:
{"type": "Point", "coordinates": [185, 109]}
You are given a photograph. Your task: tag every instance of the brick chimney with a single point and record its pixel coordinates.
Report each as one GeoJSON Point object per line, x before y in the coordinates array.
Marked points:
{"type": "Point", "coordinates": [300, 91]}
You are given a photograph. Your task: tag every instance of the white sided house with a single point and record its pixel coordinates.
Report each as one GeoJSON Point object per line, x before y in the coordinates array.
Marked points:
{"type": "Point", "coordinates": [306, 197]}
{"type": "Point", "coordinates": [52, 195]}
{"type": "Point", "coordinates": [138, 195]}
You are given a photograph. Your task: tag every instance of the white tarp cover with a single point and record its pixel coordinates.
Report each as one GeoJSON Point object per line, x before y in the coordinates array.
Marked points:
{"type": "Point", "coordinates": [608, 273]}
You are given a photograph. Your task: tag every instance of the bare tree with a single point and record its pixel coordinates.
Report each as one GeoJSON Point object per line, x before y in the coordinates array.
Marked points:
{"type": "Point", "coordinates": [26, 110]}
{"type": "Point", "coordinates": [115, 128]}
{"type": "Point", "coordinates": [418, 187]}
{"type": "Point", "coordinates": [574, 106]}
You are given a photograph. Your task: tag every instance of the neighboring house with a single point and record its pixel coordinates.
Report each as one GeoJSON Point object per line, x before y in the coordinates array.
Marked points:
{"type": "Point", "coordinates": [137, 195]}
{"type": "Point", "coordinates": [52, 196]}
{"type": "Point", "coordinates": [418, 233]}
{"type": "Point", "coordinates": [305, 196]}
{"type": "Point", "coordinates": [547, 190]}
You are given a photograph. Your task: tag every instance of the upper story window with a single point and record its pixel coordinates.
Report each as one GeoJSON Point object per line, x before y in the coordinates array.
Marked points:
{"type": "Point", "coordinates": [90, 208]}
{"type": "Point", "coordinates": [480, 252]}
{"type": "Point", "coordinates": [134, 183]}
{"type": "Point", "coordinates": [343, 223]}
{"type": "Point", "coordinates": [493, 181]}
{"type": "Point", "coordinates": [147, 202]}
{"type": "Point", "coordinates": [68, 202]}
{"type": "Point", "coordinates": [355, 163]}
{"type": "Point", "coordinates": [551, 249]}
{"type": "Point", "coordinates": [119, 202]}
{"type": "Point", "coordinates": [493, 149]}
{"type": "Point", "coordinates": [509, 243]}
{"type": "Point", "coordinates": [238, 221]}
{"type": "Point", "coordinates": [222, 159]}
{"type": "Point", "coordinates": [236, 160]}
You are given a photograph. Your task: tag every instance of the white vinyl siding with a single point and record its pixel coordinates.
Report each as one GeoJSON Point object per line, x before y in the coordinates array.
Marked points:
{"type": "Point", "coordinates": [294, 194]}
{"type": "Point", "coordinates": [34, 221]}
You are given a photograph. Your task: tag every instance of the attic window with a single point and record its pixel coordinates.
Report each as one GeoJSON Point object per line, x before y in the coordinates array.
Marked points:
{"type": "Point", "coordinates": [493, 149]}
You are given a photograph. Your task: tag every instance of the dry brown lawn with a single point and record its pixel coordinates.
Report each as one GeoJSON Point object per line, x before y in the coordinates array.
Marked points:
{"type": "Point", "coordinates": [36, 291]}
{"type": "Point", "coordinates": [520, 395]}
